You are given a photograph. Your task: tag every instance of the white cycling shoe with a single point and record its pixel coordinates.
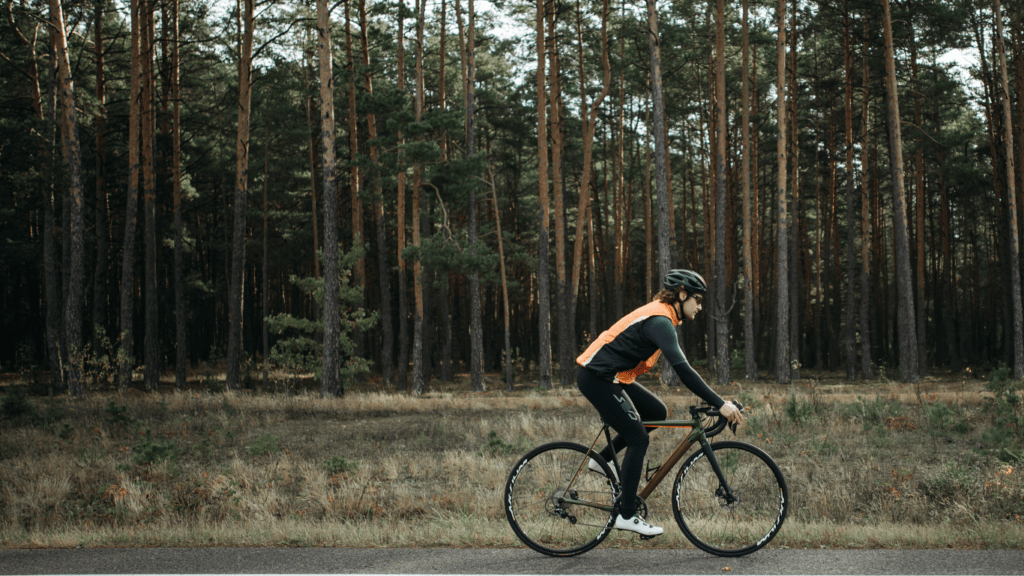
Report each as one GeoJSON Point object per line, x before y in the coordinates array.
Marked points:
{"type": "Point", "coordinates": [638, 525]}
{"type": "Point", "coordinates": [595, 467]}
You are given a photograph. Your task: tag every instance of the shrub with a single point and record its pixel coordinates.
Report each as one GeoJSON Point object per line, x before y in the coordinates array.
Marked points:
{"type": "Point", "coordinates": [1005, 439]}
{"type": "Point", "coordinates": [340, 465]}
{"type": "Point", "coordinates": [800, 412]}
{"type": "Point", "coordinates": [300, 347]}
{"type": "Point", "coordinates": [150, 452]}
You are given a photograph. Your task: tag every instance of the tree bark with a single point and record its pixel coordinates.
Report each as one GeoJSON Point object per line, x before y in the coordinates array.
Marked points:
{"type": "Point", "coordinates": [181, 324]}
{"type": "Point", "coordinates": [403, 306]}
{"type": "Point", "coordinates": [749, 354]}
{"type": "Point", "coordinates": [851, 263]}
{"type": "Point", "coordinates": [558, 188]}
{"type": "Point", "coordinates": [151, 342]}
{"type": "Point", "coordinates": [476, 331]}
{"type": "Point", "coordinates": [125, 362]}
{"type": "Point", "coordinates": [73, 159]}
{"type": "Point", "coordinates": [920, 314]}
{"type": "Point", "coordinates": [905, 312]}
{"type": "Point", "coordinates": [240, 202]}
{"type": "Point", "coordinates": [330, 386]}
{"type": "Point", "coordinates": [665, 259]}
{"type": "Point", "coordinates": [722, 281]}
{"type": "Point", "coordinates": [418, 383]}
{"type": "Point", "coordinates": [99, 290]}
{"type": "Point", "coordinates": [355, 179]}
{"type": "Point", "coordinates": [867, 367]}
{"type": "Point", "coordinates": [1011, 195]}
{"type": "Point", "coordinates": [782, 368]}
{"type": "Point", "coordinates": [387, 334]}
{"type": "Point", "coordinates": [543, 238]}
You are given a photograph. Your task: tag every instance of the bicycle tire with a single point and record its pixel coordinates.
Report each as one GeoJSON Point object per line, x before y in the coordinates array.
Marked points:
{"type": "Point", "coordinates": [730, 528]}
{"type": "Point", "coordinates": [536, 511]}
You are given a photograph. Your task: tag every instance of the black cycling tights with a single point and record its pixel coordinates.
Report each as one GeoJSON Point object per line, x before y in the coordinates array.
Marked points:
{"type": "Point", "coordinates": [624, 407]}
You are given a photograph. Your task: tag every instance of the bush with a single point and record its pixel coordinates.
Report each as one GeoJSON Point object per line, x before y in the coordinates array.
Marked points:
{"type": "Point", "coordinates": [300, 347]}
{"type": "Point", "coordinates": [340, 465]}
{"type": "Point", "coordinates": [800, 412]}
{"type": "Point", "coordinates": [1005, 439]}
{"type": "Point", "coordinates": [150, 452]}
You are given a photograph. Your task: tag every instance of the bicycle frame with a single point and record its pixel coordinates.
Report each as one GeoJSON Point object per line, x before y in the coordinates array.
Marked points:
{"type": "Point", "coordinates": [696, 435]}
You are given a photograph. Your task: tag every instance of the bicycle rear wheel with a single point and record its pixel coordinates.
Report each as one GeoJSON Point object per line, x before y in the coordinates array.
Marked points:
{"type": "Point", "coordinates": [726, 526]}
{"type": "Point", "coordinates": [545, 495]}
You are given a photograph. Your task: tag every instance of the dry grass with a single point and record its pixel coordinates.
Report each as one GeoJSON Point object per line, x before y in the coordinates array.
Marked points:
{"type": "Point", "coordinates": [868, 465]}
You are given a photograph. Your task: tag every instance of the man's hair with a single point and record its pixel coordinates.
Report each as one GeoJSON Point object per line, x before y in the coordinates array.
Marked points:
{"type": "Point", "coordinates": [667, 295]}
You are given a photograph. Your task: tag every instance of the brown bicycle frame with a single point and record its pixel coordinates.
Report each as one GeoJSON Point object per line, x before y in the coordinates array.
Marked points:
{"type": "Point", "coordinates": [696, 435]}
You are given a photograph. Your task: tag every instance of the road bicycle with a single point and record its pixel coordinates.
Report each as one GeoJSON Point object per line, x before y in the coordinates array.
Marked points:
{"type": "Point", "coordinates": [729, 498]}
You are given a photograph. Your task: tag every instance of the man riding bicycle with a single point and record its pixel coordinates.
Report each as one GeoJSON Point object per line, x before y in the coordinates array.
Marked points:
{"type": "Point", "coordinates": [628, 349]}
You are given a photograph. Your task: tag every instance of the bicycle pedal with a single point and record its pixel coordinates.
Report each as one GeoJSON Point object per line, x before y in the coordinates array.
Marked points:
{"type": "Point", "coordinates": [642, 537]}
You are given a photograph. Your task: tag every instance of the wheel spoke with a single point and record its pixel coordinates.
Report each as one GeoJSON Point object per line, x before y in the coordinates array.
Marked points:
{"type": "Point", "coordinates": [536, 506]}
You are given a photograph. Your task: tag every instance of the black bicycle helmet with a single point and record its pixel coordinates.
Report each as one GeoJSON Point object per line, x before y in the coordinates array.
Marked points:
{"type": "Point", "coordinates": [687, 280]}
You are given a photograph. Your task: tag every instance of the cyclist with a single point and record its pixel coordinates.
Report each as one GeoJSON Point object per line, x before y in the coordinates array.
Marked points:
{"type": "Point", "coordinates": [628, 349]}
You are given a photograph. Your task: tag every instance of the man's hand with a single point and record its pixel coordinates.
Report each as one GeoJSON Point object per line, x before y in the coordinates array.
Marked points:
{"type": "Point", "coordinates": [731, 413]}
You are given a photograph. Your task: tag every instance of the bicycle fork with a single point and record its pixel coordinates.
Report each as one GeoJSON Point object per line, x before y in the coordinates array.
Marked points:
{"type": "Point", "coordinates": [727, 496]}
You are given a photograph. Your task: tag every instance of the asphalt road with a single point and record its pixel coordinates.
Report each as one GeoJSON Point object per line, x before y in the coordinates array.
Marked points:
{"type": "Point", "coordinates": [501, 561]}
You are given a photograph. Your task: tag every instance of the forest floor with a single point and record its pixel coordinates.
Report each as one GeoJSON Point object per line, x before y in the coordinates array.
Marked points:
{"type": "Point", "coordinates": [869, 464]}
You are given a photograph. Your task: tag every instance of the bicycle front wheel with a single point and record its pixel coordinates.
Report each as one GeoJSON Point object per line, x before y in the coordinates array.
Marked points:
{"type": "Point", "coordinates": [555, 503]}
{"type": "Point", "coordinates": [730, 522]}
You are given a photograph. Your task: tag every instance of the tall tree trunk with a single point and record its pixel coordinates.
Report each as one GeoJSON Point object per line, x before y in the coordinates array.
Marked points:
{"type": "Point", "coordinates": [851, 263]}
{"type": "Point", "coordinates": [782, 368]}
{"type": "Point", "coordinates": [1011, 195]}
{"type": "Point", "coordinates": [418, 335]}
{"type": "Point", "coordinates": [509, 375]}
{"type": "Point", "coordinates": [867, 367]}
{"type": "Point", "coordinates": [721, 285]}
{"type": "Point", "coordinates": [355, 180]}
{"type": "Point", "coordinates": [558, 186]}
{"type": "Point", "coordinates": [665, 260]}
{"type": "Point", "coordinates": [589, 120]}
{"type": "Point", "coordinates": [265, 288]}
{"type": "Point", "coordinates": [543, 239]}
{"type": "Point", "coordinates": [920, 314]}
{"type": "Point", "coordinates": [387, 334]}
{"type": "Point", "coordinates": [99, 290]}
{"type": "Point", "coordinates": [240, 202]}
{"type": "Point", "coordinates": [73, 159]}
{"type": "Point", "coordinates": [403, 305]}
{"type": "Point", "coordinates": [476, 330]}
{"type": "Point", "coordinates": [330, 387]}
{"type": "Point", "coordinates": [180, 318]}
{"type": "Point", "coordinates": [794, 213]}
{"type": "Point", "coordinates": [151, 343]}
{"type": "Point", "coordinates": [749, 354]}
{"type": "Point", "coordinates": [125, 362]}
{"type": "Point", "coordinates": [905, 312]}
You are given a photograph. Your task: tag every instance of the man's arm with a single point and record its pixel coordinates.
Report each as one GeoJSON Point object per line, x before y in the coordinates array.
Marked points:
{"type": "Point", "coordinates": [659, 330]}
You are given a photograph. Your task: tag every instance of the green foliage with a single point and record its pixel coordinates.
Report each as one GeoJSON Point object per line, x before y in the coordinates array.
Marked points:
{"type": "Point", "coordinates": [1006, 436]}
{"type": "Point", "coordinates": [300, 349]}
{"type": "Point", "coordinates": [149, 452]}
{"type": "Point", "coordinates": [340, 465]}
{"type": "Point", "coordinates": [264, 445]}
{"type": "Point", "coordinates": [955, 479]}
{"type": "Point", "coordinates": [496, 446]}
{"type": "Point", "coordinates": [945, 418]}
{"type": "Point", "coordinates": [799, 412]}
{"type": "Point", "coordinates": [873, 413]}
{"type": "Point", "coordinates": [118, 415]}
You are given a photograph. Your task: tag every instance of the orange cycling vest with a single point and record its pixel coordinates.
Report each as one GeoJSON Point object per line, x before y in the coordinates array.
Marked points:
{"type": "Point", "coordinates": [635, 317]}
